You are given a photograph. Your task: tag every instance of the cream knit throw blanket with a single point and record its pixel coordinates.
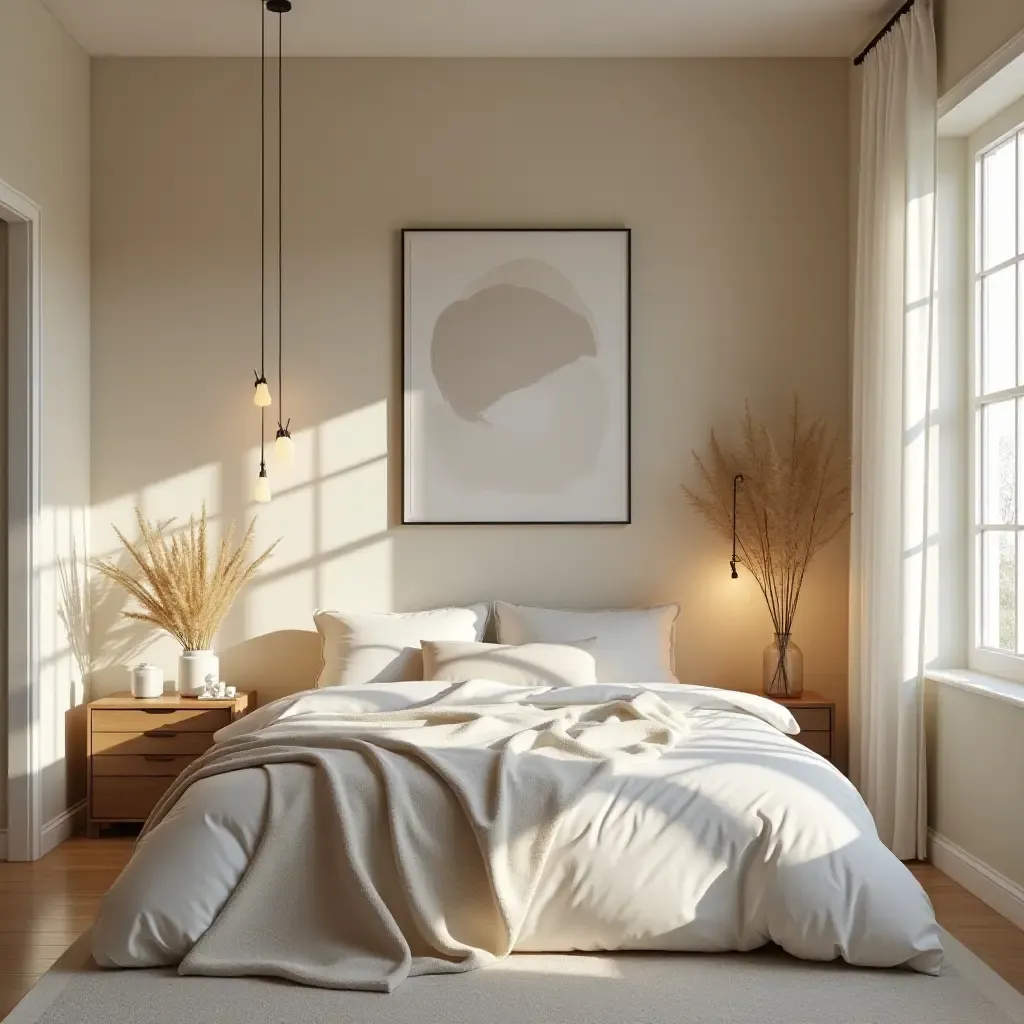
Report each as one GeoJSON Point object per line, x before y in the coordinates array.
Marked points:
{"type": "Point", "coordinates": [410, 842]}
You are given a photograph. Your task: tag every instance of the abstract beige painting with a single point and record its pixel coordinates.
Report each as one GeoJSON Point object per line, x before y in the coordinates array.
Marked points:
{"type": "Point", "coordinates": [516, 375]}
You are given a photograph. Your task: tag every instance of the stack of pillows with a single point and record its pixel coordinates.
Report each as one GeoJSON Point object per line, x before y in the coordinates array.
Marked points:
{"type": "Point", "coordinates": [536, 646]}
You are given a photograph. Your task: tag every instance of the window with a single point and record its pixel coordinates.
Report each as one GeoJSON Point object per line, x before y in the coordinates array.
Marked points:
{"type": "Point", "coordinates": [998, 384]}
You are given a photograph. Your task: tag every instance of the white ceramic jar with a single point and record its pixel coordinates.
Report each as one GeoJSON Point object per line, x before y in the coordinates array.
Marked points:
{"type": "Point", "coordinates": [147, 681]}
{"type": "Point", "coordinates": [193, 669]}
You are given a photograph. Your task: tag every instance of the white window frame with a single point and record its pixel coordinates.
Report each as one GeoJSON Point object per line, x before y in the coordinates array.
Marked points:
{"type": "Point", "coordinates": [1001, 128]}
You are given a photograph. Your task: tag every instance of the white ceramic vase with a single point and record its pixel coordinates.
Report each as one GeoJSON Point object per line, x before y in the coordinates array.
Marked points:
{"type": "Point", "coordinates": [194, 667]}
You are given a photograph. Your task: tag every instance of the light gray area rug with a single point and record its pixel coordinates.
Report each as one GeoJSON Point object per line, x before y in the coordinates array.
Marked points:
{"type": "Point", "coordinates": [764, 987]}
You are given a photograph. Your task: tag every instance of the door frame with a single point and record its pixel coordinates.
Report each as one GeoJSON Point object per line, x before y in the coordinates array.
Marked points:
{"type": "Point", "coordinates": [24, 339]}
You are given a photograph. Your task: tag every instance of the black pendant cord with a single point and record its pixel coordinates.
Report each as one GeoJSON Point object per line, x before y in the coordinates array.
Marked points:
{"type": "Point", "coordinates": [263, 226]}
{"type": "Point", "coordinates": [263, 194]}
{"type": "Point", "coordinates": [883, 32]}
{"type": "Point", "coordinates": [280, 221]}
{"type": "Point", "coordinates": [732, 562]}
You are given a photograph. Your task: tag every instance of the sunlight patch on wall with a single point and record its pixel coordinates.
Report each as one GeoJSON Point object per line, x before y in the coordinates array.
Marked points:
{"type": "Point", "coordinates": [360, 579]}
{"type": "Point", "coordinates": [289, 519]}
{"type": "Point", "coordinates": [353, 507]}
{"type": "Point", "coordinates": [178, 497]}
{"type": "Point", "coordinates": [330, 511]}
{"type": "Point", "coordinates": [289, 516]}
{"type": "Point", "coordinates": [63, 618]}
{"type": "Point", "coordinates": [116, 642]}
{"type": "Point", "coordinates": [284, 602]}
{"type": "Point", "coordinates": [107, 514]}
{"type": "Point", "coordinates": [352, 439]}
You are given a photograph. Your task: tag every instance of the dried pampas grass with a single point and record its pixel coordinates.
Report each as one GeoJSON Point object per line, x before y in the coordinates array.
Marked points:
{"type": "Point", "coordinates": [793, 499]}
{"type": "Point", "coordinates": [180, 588]}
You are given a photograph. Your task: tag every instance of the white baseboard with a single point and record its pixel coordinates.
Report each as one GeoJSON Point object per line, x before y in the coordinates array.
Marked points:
{"type": "Point", "coordinates": [999, 892]}
{"type": "Point", "coordinates": [60, 828]}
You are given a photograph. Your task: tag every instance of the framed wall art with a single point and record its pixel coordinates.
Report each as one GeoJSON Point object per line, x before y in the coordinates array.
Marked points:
{"type": "Point", "coordinates": [516, 375]}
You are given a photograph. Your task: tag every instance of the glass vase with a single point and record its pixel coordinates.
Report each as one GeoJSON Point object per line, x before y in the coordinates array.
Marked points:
{"type": "Point", "coordinates": [782, 668]}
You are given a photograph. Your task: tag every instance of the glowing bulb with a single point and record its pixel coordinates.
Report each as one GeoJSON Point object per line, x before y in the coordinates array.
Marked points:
{"type": "Point", "coordinates": [261, 396]}
{"type": "Point", "coordinates": [261, 492]}
{"type": "Point", "coordinates": [284, 446]}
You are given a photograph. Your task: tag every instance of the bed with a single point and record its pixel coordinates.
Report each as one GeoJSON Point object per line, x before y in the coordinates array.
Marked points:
{"type": "Point", "coordinates": [355, 836]}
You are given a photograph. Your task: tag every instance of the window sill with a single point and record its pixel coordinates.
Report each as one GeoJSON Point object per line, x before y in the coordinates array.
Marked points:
{"type": "Point", "coordinates": [978, 682]}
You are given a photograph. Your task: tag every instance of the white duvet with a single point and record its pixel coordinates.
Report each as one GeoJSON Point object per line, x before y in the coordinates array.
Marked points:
{"type": "Point", "coordinates": [707, 828]}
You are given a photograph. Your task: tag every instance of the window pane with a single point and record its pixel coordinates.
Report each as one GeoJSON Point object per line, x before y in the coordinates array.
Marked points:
{"type": "Point", "coordinates": [1020, 600]}
{"type": "Point", "coordinates": [999, 330]}
{"type": "Point", "coordinates": [999, 463]}
{"type": "Point", "coordinates": [1020, 192]}
{"type": "Point", "coordinates": [999, 227]}
{"type": "Point", "coordinates": [999, 590]}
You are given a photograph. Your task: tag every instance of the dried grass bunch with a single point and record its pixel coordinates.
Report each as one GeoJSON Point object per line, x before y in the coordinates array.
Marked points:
{"type": "Point", "coordinates": [793, 499]}
{"type": "Point", "coordinates": [180, 588]}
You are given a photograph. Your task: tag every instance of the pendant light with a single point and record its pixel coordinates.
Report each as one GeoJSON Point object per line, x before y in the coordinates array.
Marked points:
{"type": "Point", "coordinates": [284, 446]}
{"type": "Point", "coordinates": [261, 397]}
{"type": "Point", "coordinates": [261, 492]}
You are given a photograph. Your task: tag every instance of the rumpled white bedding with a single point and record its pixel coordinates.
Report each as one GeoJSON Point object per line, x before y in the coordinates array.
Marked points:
{"type": "Point", "coordinates": [352, 837]}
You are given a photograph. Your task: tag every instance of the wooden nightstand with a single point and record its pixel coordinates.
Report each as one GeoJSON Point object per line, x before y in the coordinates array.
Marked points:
{"type": "Point", "coordinates": [816, 717]}
{"type": "Point", "coordinates": [137, 747]}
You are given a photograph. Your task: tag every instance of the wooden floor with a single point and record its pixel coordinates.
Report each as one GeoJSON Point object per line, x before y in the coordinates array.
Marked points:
{"type": "Point", "coordinates": [988, 935]}
{"type": "Point", "coordinates": [45, 906]}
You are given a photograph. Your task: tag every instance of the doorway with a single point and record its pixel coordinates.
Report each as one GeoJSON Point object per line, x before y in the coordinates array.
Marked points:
{"type": "Point", "coordinates": [20, 770]}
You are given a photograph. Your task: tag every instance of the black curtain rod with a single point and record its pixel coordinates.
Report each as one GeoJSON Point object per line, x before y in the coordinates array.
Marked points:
{"type": "Point", "coordinates": [883, 32]}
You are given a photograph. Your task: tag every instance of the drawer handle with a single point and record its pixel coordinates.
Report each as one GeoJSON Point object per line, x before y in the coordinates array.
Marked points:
{"type": "Point", "coordinates": [162, 734]}
{"type": "Point", "coordinates": [158, 757]}
{"type": "Point", "coordinates": [157, 711]}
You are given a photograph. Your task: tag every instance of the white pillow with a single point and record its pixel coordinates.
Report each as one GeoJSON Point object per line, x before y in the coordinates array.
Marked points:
{"type": "Point", "coordinates": [361, 648]}
{"type": "Point", "coordinates": [570, 664]}
{"type": "Point", "coordinates": [633, 645]}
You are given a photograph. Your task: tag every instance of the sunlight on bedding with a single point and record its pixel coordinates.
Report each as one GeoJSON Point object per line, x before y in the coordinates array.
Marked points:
{"type": "Point", "coordinates": [480, 819]}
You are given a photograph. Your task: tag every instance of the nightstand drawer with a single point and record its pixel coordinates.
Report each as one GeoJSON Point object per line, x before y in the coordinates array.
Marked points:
{"type": "Point", "coordinates": [120, 798]}
{"type": "Point", "coordinates": [819, 742]}
{"type": "Point", "coordinates": [162, 719]}
{"type": "Point", "coordinates": [813, 719]}
{"type": "Point", "coordinates": [119, 765]}
{"type": "Point", "coordinates": [163, 741]}
{"type": "Point", "coordinates": [137, 748]}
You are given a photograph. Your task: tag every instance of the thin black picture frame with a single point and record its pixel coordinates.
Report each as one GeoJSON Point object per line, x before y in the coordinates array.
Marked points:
{"type": "Point", "coordinates": [406, 355]}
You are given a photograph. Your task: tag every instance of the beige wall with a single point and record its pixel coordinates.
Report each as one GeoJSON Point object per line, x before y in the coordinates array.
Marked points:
{"type": "Point", "coordinates": [968, 32]}
{"type": "Point", "coordinates": [44, 153]}
{"type": "Point", "coordinates": [733, 177]}
{"type": "Point", "coordinates": [3, 520]}
{"type": "Point", "coordinates": [975, 767]}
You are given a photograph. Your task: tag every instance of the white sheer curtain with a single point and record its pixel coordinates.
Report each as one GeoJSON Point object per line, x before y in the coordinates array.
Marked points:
{"type": "Point", "coordinates": [893, 451]}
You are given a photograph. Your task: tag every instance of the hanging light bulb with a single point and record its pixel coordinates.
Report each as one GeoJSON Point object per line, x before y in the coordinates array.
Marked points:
{"type": "Point", "coordinates": [261, 492]}
{"type": "Point", "coordinates": [284, 446]}
{"type": "Point", "coordinates": [261, 396]}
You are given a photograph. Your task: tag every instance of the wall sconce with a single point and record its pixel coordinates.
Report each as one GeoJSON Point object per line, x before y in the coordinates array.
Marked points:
{"type": "Point", "coordinates": [732, 561]}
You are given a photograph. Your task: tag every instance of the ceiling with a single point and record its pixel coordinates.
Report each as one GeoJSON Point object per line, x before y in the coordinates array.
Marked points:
{"type": "Point", "coordinates": [480, 28]}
